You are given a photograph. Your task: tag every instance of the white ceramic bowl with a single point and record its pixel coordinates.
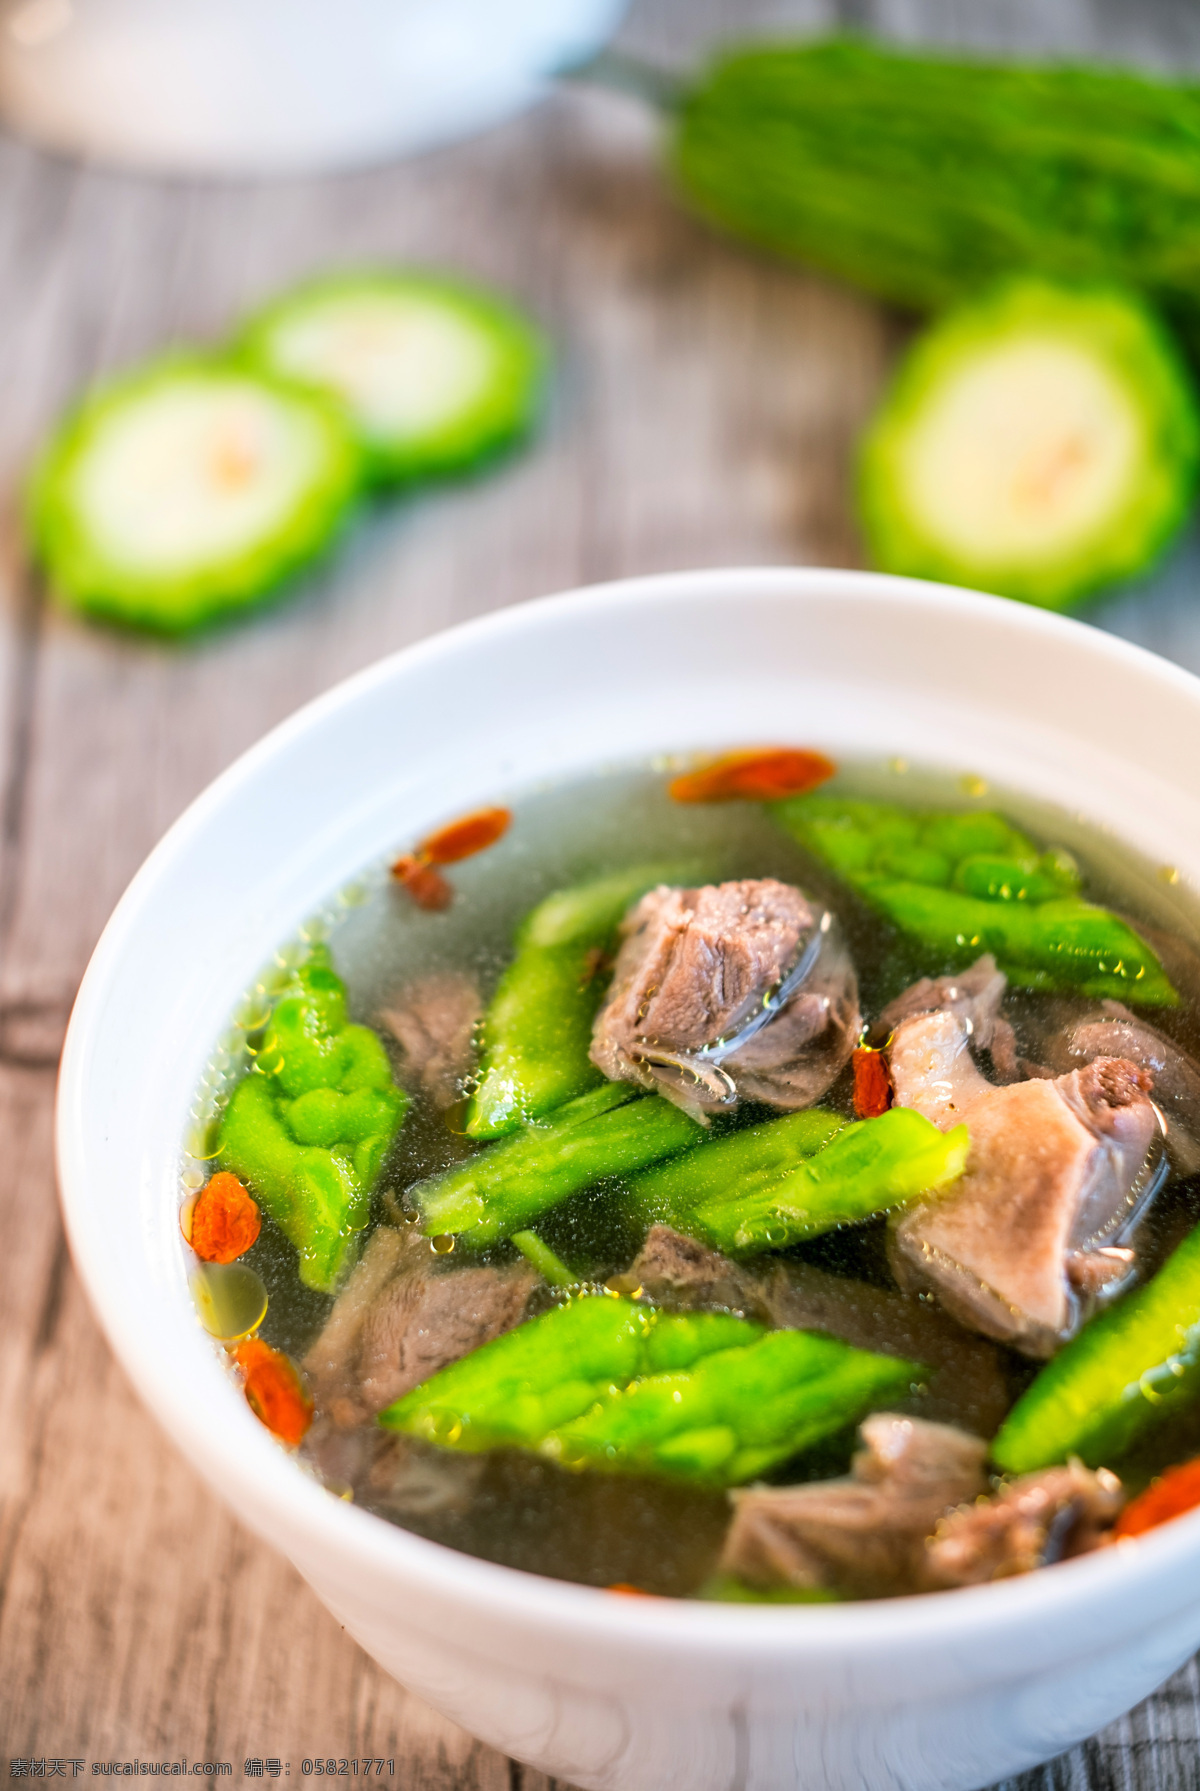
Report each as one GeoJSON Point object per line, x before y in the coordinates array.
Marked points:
{"type": "Point", "coordinates": [951, 1691]}
{"type": "Point", "coordinates": [236, 87]}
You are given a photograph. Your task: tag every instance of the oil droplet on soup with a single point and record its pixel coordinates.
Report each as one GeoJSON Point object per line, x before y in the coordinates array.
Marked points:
{"type": "Point", "coordinates": [231, 1299]}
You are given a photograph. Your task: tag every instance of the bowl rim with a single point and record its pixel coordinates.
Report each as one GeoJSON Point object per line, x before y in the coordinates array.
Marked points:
{"type": "Point", "coordinates": [266, 1488]}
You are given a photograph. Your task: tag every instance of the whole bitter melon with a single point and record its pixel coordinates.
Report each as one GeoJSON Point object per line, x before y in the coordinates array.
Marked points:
{"type": "Point", "coordinates": [918, 178]}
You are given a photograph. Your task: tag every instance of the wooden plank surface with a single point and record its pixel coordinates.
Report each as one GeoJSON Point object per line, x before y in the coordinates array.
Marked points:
{"type": "Point", "coordinates": [704, 412]}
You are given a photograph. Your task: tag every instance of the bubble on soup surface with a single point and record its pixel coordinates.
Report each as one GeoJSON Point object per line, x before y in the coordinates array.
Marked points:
{"type": "Point", "coordinates": [255, 1011]}
{"type": "Point", "coordinates": [204, 1140]}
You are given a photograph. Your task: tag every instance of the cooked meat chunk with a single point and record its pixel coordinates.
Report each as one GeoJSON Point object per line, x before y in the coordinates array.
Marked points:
{"type": "Point", "coordinates": [932, 1069]}
{"type": "Point", "coordinates": [1109, 1098]}
{"type": "Point", "coordinates": [1112, 1031]}
{"type": "Point", "coordinates": [865, 1535]}
{"type": "Point", "coordinates": [434, 1023]}
{"type": "Point", "coordinates": [973, 996]}
{"type": "Point", "coordinates": [693, 960]}
{"type": "Point", "coordinates": [932, 1031]}
{"type": "Point", "coordinates": [969, 1382]}
{"type": "Point", "coordinates": [1037, 1229]}
{"type": "Point", "coordinates": [401, 1316]}
{"type": "Point", "coordinates": [791, 1061]}
{"type": "Point", "coordinates": [332, 1359]}
{"type": "Point", "coordinates": [398, 1476]}
{"type": "Point", "coordinates": [339, 1455]}
{"type": "Point", "coordinates": [409, 1480]}
{"type": "Point", "coordinates": [700, 1005]}
{"type": "Point", "coordinates": [1056, 1174]}
{"type": "Point", "coordinates": [1040, 1518]}
{"type": "Point", "coordinates": [674, 1270]}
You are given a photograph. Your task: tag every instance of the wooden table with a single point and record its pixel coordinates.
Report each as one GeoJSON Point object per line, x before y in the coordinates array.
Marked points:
{"type": "Point", "coordinates": [704, 413]}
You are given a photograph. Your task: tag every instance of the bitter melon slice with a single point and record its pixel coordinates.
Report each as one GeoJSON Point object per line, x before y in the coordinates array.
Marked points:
{"type": "Point", "coordinates": [1039, 441]}
{"type": "Point", "coordinates": [188, 489]}
{"type": "Point", "coordinates": [434, 374]}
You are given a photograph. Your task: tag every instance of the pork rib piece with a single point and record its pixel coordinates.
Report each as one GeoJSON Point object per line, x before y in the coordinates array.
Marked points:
{"type": "Point", "coordinates": [400, 1477]}
{"type": "Point", "coordinates": [1045, 1517]}
{"type": "Point", "coordinates": [932, 1032]}
{"type": "Point", "coordinates": [434, 1023]}
{"type": "Point", "coordinates": [865, 1535]}
{"type": "Point", "coordinates": [1036, 1229]}
{"type": "Point", "coordinates": [676, 1271]}
{"type": "Point", "coordinates": [973, 996]}
{"type": "Point", "coordinates": [401, 1317]}
{"type": "Point", "coordinates": [1112, 1031]}
{"type": "Point", "coordinates": [697, 971]}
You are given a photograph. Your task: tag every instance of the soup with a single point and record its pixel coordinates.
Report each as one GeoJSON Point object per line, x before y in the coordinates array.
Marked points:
{"type": "Point", "coordinates": [754, 1180]}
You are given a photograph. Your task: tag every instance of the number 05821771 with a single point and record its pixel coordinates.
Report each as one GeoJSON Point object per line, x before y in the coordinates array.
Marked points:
{"type": "Point", "coordinates": [342, 1769]}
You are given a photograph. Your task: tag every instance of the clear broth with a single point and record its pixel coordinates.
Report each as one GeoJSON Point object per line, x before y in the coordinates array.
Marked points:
{"type": "Point", "coordinates": [613, 1529]}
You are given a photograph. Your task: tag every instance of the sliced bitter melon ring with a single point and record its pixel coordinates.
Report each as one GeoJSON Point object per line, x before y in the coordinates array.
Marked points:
{"type": "Point", "coordinates": [434, 374]}
{"type": "Point", "coordinates": [188, 489]}
{"type": "Point", "coordinates": [1039, 441]}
